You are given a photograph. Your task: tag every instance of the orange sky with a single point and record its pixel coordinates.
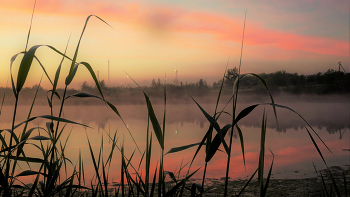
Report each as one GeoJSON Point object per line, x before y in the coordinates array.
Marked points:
{"type": "Point", "coordinates": [149, 39]}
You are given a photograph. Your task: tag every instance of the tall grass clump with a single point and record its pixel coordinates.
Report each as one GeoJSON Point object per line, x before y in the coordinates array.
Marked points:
{"type": "Point", "coordinates": [49, 168]}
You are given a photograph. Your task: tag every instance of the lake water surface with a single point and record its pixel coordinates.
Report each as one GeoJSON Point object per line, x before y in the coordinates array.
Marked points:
{"type": "Point", "coordinates": [290, 143]}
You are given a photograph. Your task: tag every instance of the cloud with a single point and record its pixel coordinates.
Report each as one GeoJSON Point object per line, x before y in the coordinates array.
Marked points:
{"type": "Point", "coordinates": [160, 19]}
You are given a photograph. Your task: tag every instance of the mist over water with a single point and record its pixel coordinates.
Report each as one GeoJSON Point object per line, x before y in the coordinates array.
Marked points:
{"type": "Point", "coordinates": [185, 124]}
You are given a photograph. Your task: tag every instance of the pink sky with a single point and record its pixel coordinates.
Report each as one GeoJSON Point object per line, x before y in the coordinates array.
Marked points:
{"type": "Point", "coordinates": [149, 39]}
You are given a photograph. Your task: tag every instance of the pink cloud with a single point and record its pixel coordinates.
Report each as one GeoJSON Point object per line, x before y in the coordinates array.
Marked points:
{"type": "Point", "coordinates": [177, 20]}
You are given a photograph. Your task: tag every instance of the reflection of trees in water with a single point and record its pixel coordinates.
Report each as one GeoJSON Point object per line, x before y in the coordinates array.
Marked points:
{"type": "Point", "coordinates": [334, 130]}
{"type": "Point", "coordinates": [190, 114]}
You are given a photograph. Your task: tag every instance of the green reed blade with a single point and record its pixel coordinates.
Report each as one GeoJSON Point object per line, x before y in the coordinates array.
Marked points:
{"type": "Point", "coordinates": [318, 177]}
{"type": "Point", "coordinates": [29, 172]}
{"type": "Point", "coordinates": [12, 148]}
{"type": "Point", "coordinates": [242, 190]}
{"type": "Point", "coordinates": [172, 176]}
{"type": "Point", "coordinates": [178, 185]}
{"type": "Point", "coordinates": [181, 148]}
{"type": "Point", "coordinates": [39, 138]}
{"type": "Point", "coordinates": [209, 138]}
{"type": "Point", "coordinates": [242, 142]}
{"type": "Point", "coordinates": [81, 35]}
{"type": "Point", "coordinates": [154, 182]}
{"type": "Point", "coordinates": [245, 112]}
{"type": "Point", "coordinates": [333, 181]}
{"type": "Point", "coordinates": [92, 73]}
{"type": "Point", "coordinates": [13, 136]}
{"type": "Point", "coordinates": [112, 149]}
{"type": "Point", "coordinates": [94, 161]}
{"type": "Point", "coordinates": [217, 138]}
{"type": "Point", "coordinates": [30, 26]}
{"type": "Point", "coordinates": [269, 175]}
{"type": "Point", "coordinates": [3, 179]}
{"type": "Point", "coordinates": [324, 184]}
{"type": "Point", "coordinates": [216, 143]}
{"type": "Point", "coordinates": [111, 106]}
{"type": "Point", "coordinates": [215, 125]}
{"type": "Point", "coordinates": [49, 117]}
{"type": "Point", "coordinates": [315, 144]}
{"type": "Point", "coordinates": [29, 159]}
{"type": "Point", "coordinates": [156, 127]}
{"type": "Point", "coordinates": [148, 164]}
{"type": "Point", "coordinates": [26, 135]}
{"type": "Point", "coordinates": [20, 148]}
{"type": "Point", "coordinates": [143, 155]}
{"type": "Point", "coordinates": [71, 76]}
{"type": "Point", "coordinates": [13, 58]}
{"type": "Point", "coordinates": [285, 107]}
{"type": "Point", "coordinates": [346, 190]}
{"type": "Point", "coordinates": [34, 185]}
{"type": "Point", "coordinates": [105, 179]}
{"type": "Point", "coordinates": [265, 84]}
{"type": "Point", "coordinates": [3, 98]}
{"type": "Point", "coordinates": [58, 71]}
{"type": "Point", "coordinates": [25, 66]}
{"type": "Point", "coordinates": [160, 179]}
{"type": "Point", "coordinates": [262, 155]}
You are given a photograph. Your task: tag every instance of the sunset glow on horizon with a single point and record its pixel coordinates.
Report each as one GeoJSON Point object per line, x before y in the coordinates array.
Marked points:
{"type": "Point", "coordinates": [194, 40]}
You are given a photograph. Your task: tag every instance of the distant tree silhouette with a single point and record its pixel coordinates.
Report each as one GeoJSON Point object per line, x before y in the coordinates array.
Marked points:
{"type": "Point", "coordinates": [231, 76]}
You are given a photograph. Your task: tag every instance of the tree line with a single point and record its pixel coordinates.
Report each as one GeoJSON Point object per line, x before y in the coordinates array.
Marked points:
{"type": "Point", "coordinates": [330, 82]}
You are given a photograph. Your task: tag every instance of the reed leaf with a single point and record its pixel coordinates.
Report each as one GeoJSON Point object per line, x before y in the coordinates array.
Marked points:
{"type": "Point", "coordinates": [94, 161]}
{"type": "Point", "coordinates": [77, 48]}
{"type": "Point", "coordinates": [29, 172]}
{"type": "Point", "coordinates": [86, 95]}
{"type": "Point", "coordinates": [215, 125]}
{"type": "Point", "coordinates": [181, 148]}
{"type": "Point", "coordinates": [154, 182]}
{"type": "Point", "coordinates": [26, 64]}
{"type": "Point", "coordinates": [315, 144]}
{"type": "Point", "coordinates": [39, 138]}
{"type": "Point", "coordinates": [269, 175]}
{"type": "Point", "coordinates": [262, 156]}
{"type": "Point", "coordinates": [156, 127]}
{"type": "Point", "coordinates": [178, 185]}
{"type": "Point", "coordinates": [285, 107]}
{"type": "Point", "coordinates": [216, 143]}
{"type": "Point", "coordinates": [245, 186]}
{"type": "Point", "coordinates": [26, 159]}
{"type": "Point", "coordinates": [242, 142]}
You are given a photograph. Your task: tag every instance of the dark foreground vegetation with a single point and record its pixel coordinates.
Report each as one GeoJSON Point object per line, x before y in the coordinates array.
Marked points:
{"type": "Point", "coordinates": [48, 170]}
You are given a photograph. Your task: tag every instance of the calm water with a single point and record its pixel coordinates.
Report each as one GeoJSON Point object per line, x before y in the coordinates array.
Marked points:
{"type": "Point", "coordinates": [290, 143]}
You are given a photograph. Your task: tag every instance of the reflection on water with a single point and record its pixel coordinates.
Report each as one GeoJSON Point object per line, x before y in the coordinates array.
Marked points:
{"type": "Point", "coordinates": [185, 124]}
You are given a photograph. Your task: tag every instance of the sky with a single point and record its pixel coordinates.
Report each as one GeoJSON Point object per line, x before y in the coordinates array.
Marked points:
{"type": "Point", "coordinates": [151, 39]}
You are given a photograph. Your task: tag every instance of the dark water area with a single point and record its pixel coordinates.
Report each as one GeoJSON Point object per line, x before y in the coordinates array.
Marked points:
{"type": "Point", "coordinates": [185, 124]}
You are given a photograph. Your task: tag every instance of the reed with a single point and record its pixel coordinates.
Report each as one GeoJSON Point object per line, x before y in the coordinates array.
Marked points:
{"type": "Point", "coordinates": [53, 164]}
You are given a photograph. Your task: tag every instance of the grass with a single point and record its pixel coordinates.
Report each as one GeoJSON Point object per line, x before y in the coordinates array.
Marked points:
{"type": "Point", "coordinates": [50, 167]}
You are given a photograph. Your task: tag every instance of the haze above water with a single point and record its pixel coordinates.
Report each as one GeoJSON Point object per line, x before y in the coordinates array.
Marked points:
{"type": "Point", "coordinates": [185, 124]}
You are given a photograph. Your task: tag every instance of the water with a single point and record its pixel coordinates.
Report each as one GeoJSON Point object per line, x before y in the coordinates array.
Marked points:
{"type": "Point", "coordinates": [290, 143]}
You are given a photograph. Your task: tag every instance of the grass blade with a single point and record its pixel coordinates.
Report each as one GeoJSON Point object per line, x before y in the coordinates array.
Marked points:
{"type": "Point", "coordinates": [216, 143]}
{"type": "Point", "coordinates": [261, 156]}
{"type": "Point", "coordinates": [242, 190]}
{"type": "Point", "coordinates": [173, 190]}
{"type": "Point", "coordinates": [242, 143]}
{"type": "Point", "coordinates": [181, 148]}
{"type": "Point", "coordinates": [269, 175]}
{"type": "Point", "coordinates": [318, 150]}
{"type": "Point", "coordinates": [154, 182]}
{"type": "Point", "coordinates": [215, 125]}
